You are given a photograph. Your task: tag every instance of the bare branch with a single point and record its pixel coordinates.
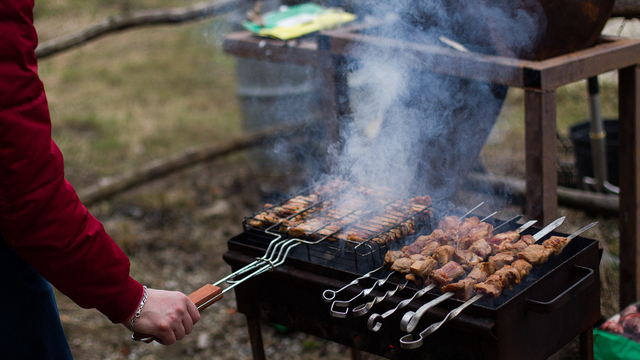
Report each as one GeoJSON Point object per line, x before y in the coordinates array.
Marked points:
{"type": "Point", "coordinates": [138, 18]}
{"type": "Point", "coordinates": [163, 167]}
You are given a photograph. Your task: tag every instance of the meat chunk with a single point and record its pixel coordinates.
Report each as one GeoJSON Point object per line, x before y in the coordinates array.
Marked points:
{"type": "Point", "coordinates": [443, 254]}
{"type": "Point", "coordinates": [392, 256]}
{"type": "Point", "coordinates": [466, 258]}
{"type": "Point", "coordinates": [535, 254]}
{"type": "Point", "coordinates": [423, 268]}
{"type": "Point", "coordinates": [509, 236]}
{"type": "Point", "coordinates": [523, 267]}
{"type": "Point", "coordinates": [463, 289]}
{"type": "Point", "coordinates": [446, 274]}
{"type": "Point", "coordinates": [511, 247]}
{"type": "Point", "coordinates": [481, 272]}
{"type": "Point", "coordinates": [556, 243]}
{"type": "Point", "coordinates": [429, 248]}
{"type": "Point", "coordinates": [402, 265]}
{"type": "Point", "coordinates": [508, 276]}
{"type": "Point", "coordinates": [482, 231]}
{"type": "Point", "coordinates": [449, 223]}
{"type": "Point", "coordinates": [501, 259]}
{"type": "Point", "coordinates": [528, 239]}
{"type": "Point", "coordinates": [481, 248]}
{"type": "Point", "coordinates": [492, 287]}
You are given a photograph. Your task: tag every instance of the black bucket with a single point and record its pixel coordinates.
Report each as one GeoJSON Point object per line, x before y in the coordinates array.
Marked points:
{"type": "Point", "coordinates": [582, 148]}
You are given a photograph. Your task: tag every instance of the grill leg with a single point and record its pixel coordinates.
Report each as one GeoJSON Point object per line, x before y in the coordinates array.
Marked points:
{"type": "Point", "coordinates": [255, 338]}
{"type": "Point", "coordinates": [586, 344]}
{"type": "Point", "coordinates": [356, 354]}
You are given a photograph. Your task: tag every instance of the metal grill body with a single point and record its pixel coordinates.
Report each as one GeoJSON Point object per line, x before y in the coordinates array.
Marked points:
{"type": "Point", "coordinates": [553, 305]}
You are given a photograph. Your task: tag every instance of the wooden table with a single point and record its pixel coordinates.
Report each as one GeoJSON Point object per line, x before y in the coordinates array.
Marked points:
{"type": "Point", "coordinates": [538, 79]}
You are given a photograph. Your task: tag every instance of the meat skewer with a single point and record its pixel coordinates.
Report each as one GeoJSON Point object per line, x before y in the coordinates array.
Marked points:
{"type": "Point", "coordinates": [410, 319]}
{"type": "Point", "coordinates": [374, 321]}
{"type": "Point", "coordinates": [555, 244]}
{"type": "Point", "coordinates": [329, 295]}
{"type": "Point", "coordinates": [427, 265]}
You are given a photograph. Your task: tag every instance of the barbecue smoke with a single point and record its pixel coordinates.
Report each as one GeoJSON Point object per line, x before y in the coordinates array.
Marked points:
{"type": "Point", "coordinates": [419, 132]}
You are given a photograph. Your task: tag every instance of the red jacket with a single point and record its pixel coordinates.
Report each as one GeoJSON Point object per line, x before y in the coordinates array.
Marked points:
{"type": "Point", "coordinates": [41, 216]}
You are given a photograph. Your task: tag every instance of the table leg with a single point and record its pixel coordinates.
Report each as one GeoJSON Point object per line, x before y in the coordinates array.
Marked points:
{"type": "Point", "coordinates": [629, 158]}
{"type": "Point", "coordinates": [541, 155]}
{"type": "Point", "coordinates": [255, 338]}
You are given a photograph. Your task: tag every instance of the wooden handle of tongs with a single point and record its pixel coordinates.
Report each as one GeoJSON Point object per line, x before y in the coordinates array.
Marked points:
{"type": "Point", "coordinates": [201, 297]}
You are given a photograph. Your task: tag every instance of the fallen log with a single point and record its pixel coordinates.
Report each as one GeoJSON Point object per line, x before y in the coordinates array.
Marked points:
{"type": "Point", "coordinates": [515, 189]}
{"type": "Point", "coordinates": [109, 187]}
{"type": "Point", "coordinates": [137, 19]}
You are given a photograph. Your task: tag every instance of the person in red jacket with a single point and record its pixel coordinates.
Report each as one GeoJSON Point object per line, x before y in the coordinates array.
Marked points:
{"type": "Point", "coordinates": [46, 234]}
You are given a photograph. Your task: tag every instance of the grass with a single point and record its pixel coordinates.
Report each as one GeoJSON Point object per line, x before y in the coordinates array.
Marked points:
{"type": "Point", "coordinates": [143, 94]}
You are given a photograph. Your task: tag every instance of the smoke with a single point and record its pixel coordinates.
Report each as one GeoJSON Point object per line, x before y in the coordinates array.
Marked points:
{"type": "Point", "coordinates": [432, 126]}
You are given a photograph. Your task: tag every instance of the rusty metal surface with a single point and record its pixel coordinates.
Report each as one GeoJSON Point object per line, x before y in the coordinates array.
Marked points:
{"type": "Point", "coordinates": [540, 163]}
{"type": "Point", "coordinates": [629, 154]}
{"type": "Point", "coordinates": [610, 54]}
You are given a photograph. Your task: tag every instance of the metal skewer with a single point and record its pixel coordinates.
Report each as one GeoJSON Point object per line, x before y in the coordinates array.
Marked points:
{"type": "Point", "coordinates": [347, 303]}
{"type": "Point", "coordinates": [406, 341]}
{"type": "Point", "coordinates": [329, 295]}
{"type": "Point", "coordinates": [410, 319]}
{"type": "Point", "coordinates": [363, 309]}
{"type": "Point", "coordinates": [374, 324]}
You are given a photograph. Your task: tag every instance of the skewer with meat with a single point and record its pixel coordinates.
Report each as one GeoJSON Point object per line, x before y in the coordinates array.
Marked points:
{"type": "Point", "coordinates": [452, 262]}
{"type": "Point", "coordinates": [465, 288]}
{"type": "Point", "coordinates": [436, 254]}
{"type": "Point", "coordinates": [509, 275]}
{"type": "Point", "coordinates": [532, 256]}
{"type": "Point", "coordinates": [410, 319]}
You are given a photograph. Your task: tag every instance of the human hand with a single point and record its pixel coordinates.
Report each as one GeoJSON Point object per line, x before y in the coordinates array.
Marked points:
{"type": "Point", "coordinates": [167, 316]}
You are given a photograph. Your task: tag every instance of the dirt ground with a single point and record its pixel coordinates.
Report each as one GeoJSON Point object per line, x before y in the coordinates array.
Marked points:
{"type": "Point", "coordinates": [177, 244]}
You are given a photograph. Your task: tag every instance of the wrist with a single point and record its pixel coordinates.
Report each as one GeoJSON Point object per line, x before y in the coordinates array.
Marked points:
{"type": "Point", "coordinates": [131, 321]}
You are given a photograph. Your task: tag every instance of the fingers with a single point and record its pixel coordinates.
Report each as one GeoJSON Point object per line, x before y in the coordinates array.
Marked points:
{"type": "Point", "coordinates": [167, 315]}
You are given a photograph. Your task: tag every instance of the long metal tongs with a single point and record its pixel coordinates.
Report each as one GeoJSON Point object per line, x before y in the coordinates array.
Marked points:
{"type": "Point", "coordinates": [410, 319]}
{"type": "Point", "coordinates": [407, 341]}
{"type": "Point", "coordinates": [274, 256]}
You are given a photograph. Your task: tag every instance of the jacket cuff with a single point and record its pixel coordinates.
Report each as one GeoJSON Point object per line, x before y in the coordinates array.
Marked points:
{"type": "Point", "coordinates": [124, 303]}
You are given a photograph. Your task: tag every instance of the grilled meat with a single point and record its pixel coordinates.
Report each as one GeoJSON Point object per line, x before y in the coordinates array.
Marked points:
{"type": "Point", "coordinates": [402, 265]}
{"type": "Point", "coordinates": [444, 254]}
{"type": "Point", "coordinates": [446, 274]}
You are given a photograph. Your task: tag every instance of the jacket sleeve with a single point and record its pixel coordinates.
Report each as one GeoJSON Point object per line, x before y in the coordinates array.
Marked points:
{"type": "Point", "coordinates": [41, 216]}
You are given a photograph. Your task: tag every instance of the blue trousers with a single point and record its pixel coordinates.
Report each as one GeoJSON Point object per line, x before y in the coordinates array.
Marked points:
{"type": "Point", "coordinates": [30, 325]}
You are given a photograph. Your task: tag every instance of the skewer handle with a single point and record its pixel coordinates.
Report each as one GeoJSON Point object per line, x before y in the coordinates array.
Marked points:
{"type": "Point", "coordinates": [202, 298]}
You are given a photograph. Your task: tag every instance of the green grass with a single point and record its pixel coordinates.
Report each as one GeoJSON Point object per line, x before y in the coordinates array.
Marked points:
{"type": "Point", "coordinates": [131, 97]}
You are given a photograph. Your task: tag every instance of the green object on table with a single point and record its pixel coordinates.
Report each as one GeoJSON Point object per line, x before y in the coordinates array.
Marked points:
{"type": "Point", "coordinates": [608, 346]}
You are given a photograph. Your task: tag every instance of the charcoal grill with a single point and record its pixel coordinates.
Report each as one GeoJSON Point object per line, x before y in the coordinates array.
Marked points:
{"type": "Point", "coordinates": [553, 305]}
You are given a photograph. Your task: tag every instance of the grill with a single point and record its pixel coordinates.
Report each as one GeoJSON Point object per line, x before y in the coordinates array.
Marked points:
{"type": "Point", "coordinates": [554, 304]}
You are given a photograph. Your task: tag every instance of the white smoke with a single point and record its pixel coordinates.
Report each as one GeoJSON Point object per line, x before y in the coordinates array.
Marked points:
{"type": "Point", "coordinates": [432, 126]}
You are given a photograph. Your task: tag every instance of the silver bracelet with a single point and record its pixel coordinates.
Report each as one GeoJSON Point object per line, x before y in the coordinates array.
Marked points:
{"type": "Point", "coordinates": [137, 314]}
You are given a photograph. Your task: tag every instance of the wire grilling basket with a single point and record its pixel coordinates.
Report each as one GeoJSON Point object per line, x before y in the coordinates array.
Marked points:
{"type": "Point", "coordinates": [342, 225]}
